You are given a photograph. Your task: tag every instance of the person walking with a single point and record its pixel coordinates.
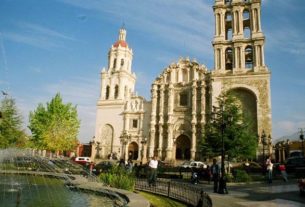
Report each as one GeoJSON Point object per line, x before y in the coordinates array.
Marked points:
{"type": "Point", "coordinates": [152, 174]}
{"type": "Point", "coordinates": [215, 171]}
{"type": "Point", "coordinates": [269, 165]}
{"type": "Point", "coordinates": [282, 169]}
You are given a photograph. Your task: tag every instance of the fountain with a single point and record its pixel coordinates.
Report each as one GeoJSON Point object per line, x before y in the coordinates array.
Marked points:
{"type": "Point", "coordinates": [28, 180]}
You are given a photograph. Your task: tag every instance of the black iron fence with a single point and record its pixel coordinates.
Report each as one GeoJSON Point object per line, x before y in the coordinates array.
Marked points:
{"type": "Point", "coordinates": [184, 192]}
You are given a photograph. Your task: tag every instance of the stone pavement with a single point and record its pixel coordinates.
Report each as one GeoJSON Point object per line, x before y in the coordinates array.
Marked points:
{"type": "Point", "coordinates": [277, 194]}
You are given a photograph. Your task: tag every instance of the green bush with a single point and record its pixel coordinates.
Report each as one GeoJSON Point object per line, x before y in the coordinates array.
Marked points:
{"type": "Point", "coordinates": [242, 176]}
{"type": "Point", "coordinates": [118, 178]}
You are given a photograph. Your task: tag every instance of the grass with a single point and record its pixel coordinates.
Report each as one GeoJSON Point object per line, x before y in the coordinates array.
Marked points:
{"type": "Point", "coordinates": [161, 201]}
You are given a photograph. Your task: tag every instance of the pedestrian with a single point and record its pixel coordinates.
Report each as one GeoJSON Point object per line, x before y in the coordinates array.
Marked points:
{"type": "Point", "coordinates": [91, 166]}
{"type": "Point", "coordinates": [269, 165]}
{"type": "Point", "coordinates": [129, 166]}
{"type": "Point", "coordinates": [152, 174]}
{"type": "Point", "coordinates": [282, 169]}
{"type": "Point", "coordinates": [215, 171]}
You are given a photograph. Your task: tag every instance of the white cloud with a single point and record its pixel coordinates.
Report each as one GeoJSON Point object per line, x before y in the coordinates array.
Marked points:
{"type": "Point", "coordinates": [181, 24]}
{"type": "Point", "coordinates": [37, 36]}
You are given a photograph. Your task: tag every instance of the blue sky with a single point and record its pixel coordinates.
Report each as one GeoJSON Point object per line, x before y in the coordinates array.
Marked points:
{"type": "Point", "coordinates": [61, 46]}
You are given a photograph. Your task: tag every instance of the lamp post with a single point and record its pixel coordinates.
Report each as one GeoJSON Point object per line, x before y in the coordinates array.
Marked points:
{"type": "Point", "coordinates": [302, 139]}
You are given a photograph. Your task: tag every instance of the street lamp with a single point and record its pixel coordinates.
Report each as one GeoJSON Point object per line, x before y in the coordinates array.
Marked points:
{"type": "Point", "coordinates": [302, 139]}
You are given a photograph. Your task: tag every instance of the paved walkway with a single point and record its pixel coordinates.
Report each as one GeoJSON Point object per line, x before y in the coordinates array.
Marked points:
{"type": "Point", "coordinates": [277, 194]}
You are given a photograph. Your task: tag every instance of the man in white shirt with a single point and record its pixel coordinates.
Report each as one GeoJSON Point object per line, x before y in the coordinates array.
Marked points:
{"type": "Point", "coordinates": [269, 165]}
{"type": "Point", "coordinates": [152, 175]}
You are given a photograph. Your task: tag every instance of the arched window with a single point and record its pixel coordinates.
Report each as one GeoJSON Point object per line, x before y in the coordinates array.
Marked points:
{"type": "Point", "coordinates": [228, 23]}
{"type": "Point", "coordinates": [114, 63]}
{"type": "Point", "coordinates": [107, 92]}
{"type": "Point", "coordinates": [183, 99]}
{"type": "Point", "coordinates": [116, 91]}
{"type": "Point", "coordinates": [229, 58]}
{"type": "Point", "coordinates": [228, 2]}
{"type": "Point", "coordinates": [246, 24]}
{"type": "Point", "coordinates": [122, 62]}
{"type": "Point", "coordinates": [249, 57]}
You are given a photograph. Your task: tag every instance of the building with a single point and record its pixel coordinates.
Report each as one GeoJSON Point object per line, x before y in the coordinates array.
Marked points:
{"type": "Point", "coordinates": [171, 124]}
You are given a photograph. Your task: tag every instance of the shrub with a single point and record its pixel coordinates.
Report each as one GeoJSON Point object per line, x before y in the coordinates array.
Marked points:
{"type": "Point", "coordinates": [242, 176]}
{"type": "Point", "coordinates": [118, 178]}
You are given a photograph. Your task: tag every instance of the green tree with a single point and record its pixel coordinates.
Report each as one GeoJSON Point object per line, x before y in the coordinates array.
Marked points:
{"type": "Point", "coordinates": [56, 126]}
{"type": "Point", "coordinates": [239, 139]}
{"type": "Point", "coordinates": [11, 132]}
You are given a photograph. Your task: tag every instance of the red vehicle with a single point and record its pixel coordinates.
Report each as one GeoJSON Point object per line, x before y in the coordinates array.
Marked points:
{"type": "Point", "coordinates": [302, 186]}
{"type": "Point", "coordinates": [82, 160]}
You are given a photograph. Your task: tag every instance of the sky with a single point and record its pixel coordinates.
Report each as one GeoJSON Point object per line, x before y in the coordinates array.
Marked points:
{"type": "Point", "coordinates": [50, 46]}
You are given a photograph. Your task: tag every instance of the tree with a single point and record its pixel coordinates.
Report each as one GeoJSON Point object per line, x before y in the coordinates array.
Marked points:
{"type": "Point", "coordinates": [239, 140]}
{"type": "Point", "coordinates": [11, 132]}
{"type": "Point", "coordinates": [54, 127]}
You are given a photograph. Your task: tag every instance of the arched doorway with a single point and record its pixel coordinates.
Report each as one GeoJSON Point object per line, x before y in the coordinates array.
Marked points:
{"type": "Point", "coordinates": [133, 149]}
{"type": "Point", "coordinates": [248, 103]}
{"type": "Point", "coordinates": [183, 146]}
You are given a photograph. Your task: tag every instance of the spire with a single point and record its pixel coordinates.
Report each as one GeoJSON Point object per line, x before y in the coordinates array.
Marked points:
{"type": "Point", "coordinates": [122, 33]}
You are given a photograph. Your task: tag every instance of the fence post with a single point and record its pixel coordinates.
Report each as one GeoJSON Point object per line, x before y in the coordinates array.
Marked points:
{"type": "Point", "coordinates": [168, 188]}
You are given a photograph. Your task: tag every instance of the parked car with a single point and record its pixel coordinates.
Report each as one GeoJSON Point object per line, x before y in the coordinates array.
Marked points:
{"type": "Point", "coordinates": [250, 167]}
{"type": "Point", "coordinates": [295, 163]}
{"type": "Point", "coordinates": [82, 160]}
{"type": "Point", "coordinates": [193, 164]}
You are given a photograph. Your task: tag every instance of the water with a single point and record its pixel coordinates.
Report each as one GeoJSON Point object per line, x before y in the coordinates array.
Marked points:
{"type": "Point", "coordinates": [38, 190]}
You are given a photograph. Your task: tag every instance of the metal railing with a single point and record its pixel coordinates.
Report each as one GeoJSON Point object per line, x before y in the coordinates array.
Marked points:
{"type": "Point", "coordinates": [184, 192]}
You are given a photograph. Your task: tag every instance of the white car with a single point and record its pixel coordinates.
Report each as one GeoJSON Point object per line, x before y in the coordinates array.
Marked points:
{"type": "Point", "coordinates": [193, 164]}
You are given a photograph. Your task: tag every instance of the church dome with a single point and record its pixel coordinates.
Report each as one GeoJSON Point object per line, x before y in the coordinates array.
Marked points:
{"type": "Point", "coordinates": [121, 43]}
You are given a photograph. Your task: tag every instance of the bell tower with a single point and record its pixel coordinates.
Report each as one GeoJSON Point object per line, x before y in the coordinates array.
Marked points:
{"type": "Point", "coordinates": [117, 88]}
{"type": "Point", "coordinates": [118, 81]}
{"type": "Point", "coordinates": [239, 63]}
{"type": "Point", "coordinates": [238, 42]}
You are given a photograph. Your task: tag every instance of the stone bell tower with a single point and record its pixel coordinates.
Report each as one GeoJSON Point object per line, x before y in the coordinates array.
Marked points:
{"type": "Point", "coordinates": [239, 65]}
{"type": "Point", "coordinates": [117, 86]}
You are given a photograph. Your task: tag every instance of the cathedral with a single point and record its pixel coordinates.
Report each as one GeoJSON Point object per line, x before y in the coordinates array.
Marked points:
{"type": "Point", "coordinates": [170, 125]}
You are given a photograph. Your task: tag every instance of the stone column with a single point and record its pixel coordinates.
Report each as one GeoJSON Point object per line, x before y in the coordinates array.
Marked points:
{"type": "Point", "coordinates": [154, 97]}
{"type": "Point", "coordinates": [203, 94]}
{"type": "Point", "coordinates": [194, 120]}
{"type": "Point", "coordinates": [222, 23]}
{"type": "Point", "coordinates": [161, 121]}
{"type": "Point", "coordinates": [169, 146]}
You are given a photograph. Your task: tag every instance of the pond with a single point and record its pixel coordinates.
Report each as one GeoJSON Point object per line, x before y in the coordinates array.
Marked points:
{"type": "Point", "coordinates": [37, 191]}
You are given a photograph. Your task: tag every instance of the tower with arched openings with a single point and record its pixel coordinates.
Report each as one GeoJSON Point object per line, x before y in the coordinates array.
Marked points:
{"type": "Point", "coordinates": [239, 66]}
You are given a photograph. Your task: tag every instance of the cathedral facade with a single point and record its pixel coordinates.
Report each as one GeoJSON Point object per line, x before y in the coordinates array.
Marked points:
{"type": "Point", "coordinates": [171, 124]}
